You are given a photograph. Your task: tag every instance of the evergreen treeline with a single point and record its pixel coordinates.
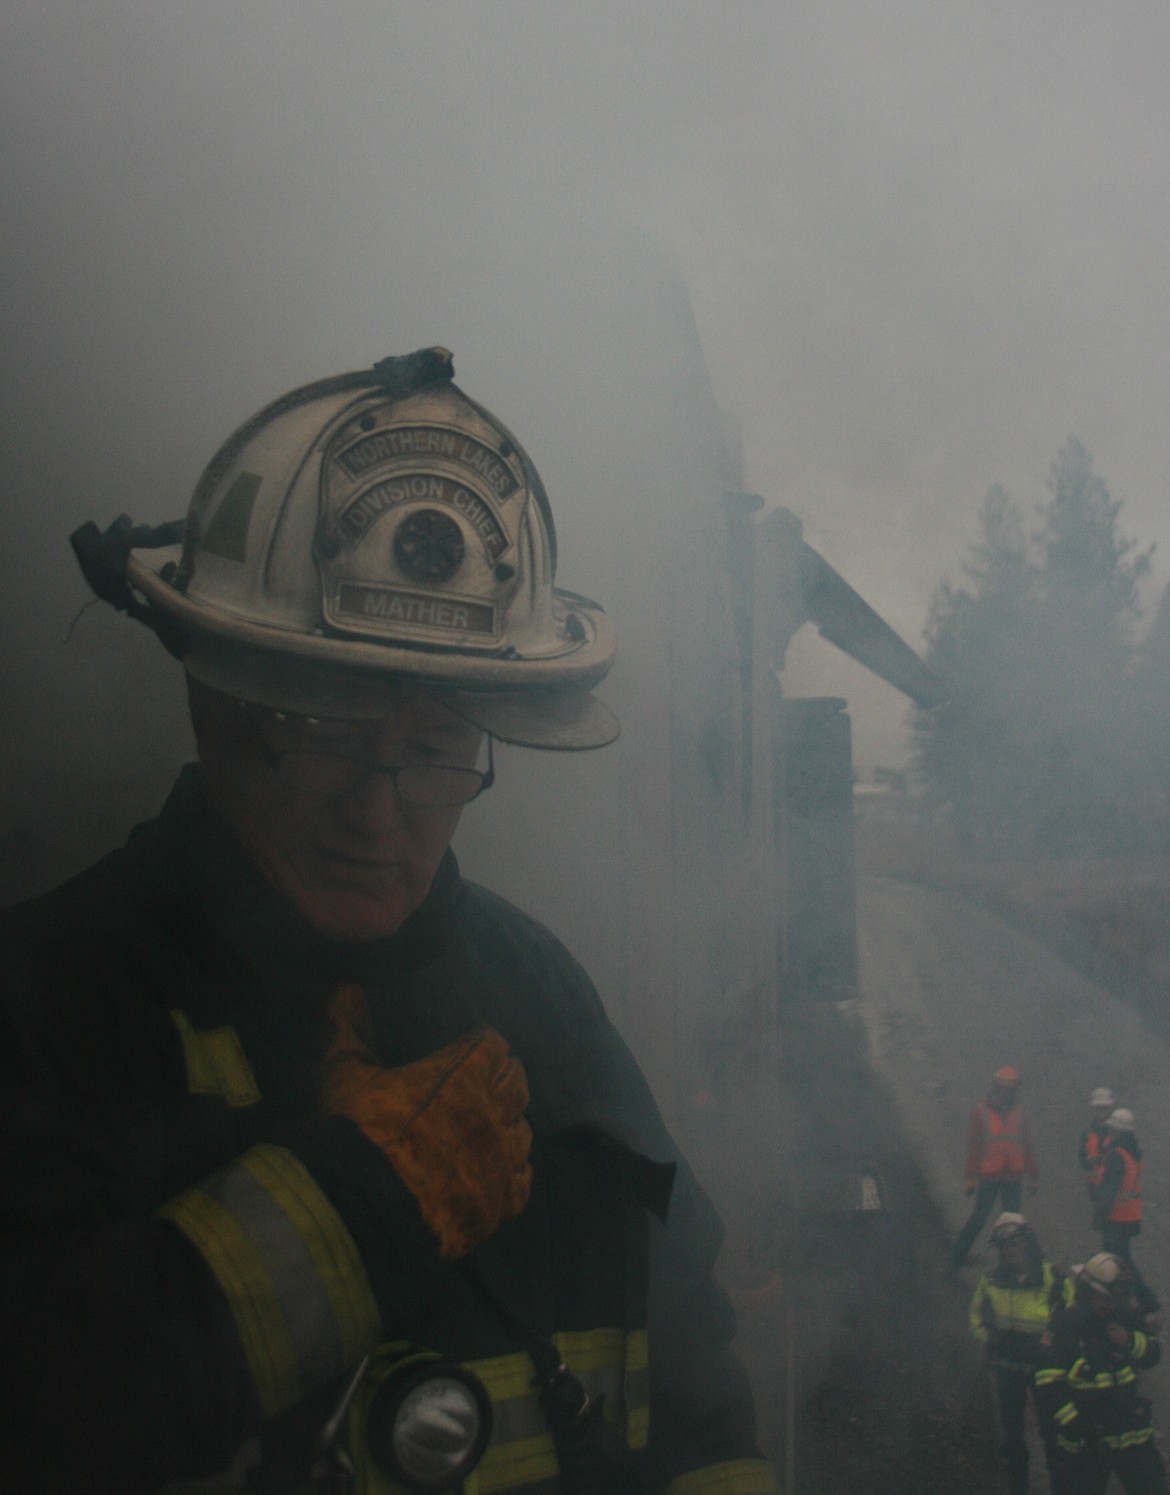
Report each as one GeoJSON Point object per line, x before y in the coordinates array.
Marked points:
{"type": "Point", "coordinates": [1055, 739]}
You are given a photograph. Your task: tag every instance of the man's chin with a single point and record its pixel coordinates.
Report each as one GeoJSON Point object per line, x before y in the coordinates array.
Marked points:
{"type": "Point", "coordinates": [355, 903]}
{"type": "Point", "coordinates": [353, 917]}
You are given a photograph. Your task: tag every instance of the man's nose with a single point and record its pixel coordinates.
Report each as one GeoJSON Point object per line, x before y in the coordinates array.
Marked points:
{"type": "Point", "coordinates": [373, 808]}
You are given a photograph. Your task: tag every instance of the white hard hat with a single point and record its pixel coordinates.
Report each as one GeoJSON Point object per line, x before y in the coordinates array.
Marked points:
{"type": "Point", "coordinates": [1009, 1226]}
{"type": "Point", "coordinates": [1102, 1096]}
{"type": "Point", "coordinates": [1120, 1120]}
{"type": "Point", "coordinates": [1104, 1273]}
{"type": "Point", "coordinates": [371, 528]}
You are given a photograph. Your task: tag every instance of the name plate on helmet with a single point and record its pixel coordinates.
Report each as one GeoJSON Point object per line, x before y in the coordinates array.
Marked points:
{"type": "Point", "coordinates": [415, 525]}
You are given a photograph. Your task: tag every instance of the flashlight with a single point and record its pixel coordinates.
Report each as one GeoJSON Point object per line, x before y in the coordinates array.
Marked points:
{"type": "Point", "coordinates": [428, 1424]}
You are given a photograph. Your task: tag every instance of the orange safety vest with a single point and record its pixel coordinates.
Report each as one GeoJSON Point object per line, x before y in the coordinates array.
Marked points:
{"type": "Point", "coordinates": [1003, 1151]}
{"type": "Point", "coordinates": [1093, 1155]}
{"type": "Point", "coordinates": [1127, 1202]}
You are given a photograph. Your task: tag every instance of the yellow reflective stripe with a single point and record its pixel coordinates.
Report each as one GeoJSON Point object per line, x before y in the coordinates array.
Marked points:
{"type": "Point", "coordinates": [1102, 1381]}
{"type": "Point", "coordinates": [266, 1341]}
{"type": "Point", "coordinates": [338, 1266]}
{"type": "Point", "coordinates": [506, 1376]}
{"type": "Point", "coordinates": [289, 1269]}
{"type": "Point", "coordinates": [1140, 1344]}
{"type": "Point", "coordinates": [586, 1349]}
{"type": "Point", "coordinates": [736, 1477]}
{"type": "Point", "coordinates": [1066, 1414]}
{"type": "Point", "coordinates": [637, 1389]}
{"type": "Point", "coordinates": [1127, 1440]}
{"type": "Point", "coordinates": [1124, 1375]}
{"type": "Point", "coordinates": [1050, 1376]}
{"type": "Point", "coordinates": [614, 1363]}
{"type": "Point", "coordinates": [518, 1464]}
{"type": "Point", "coordinates": [216, 1062]}
{"type": "Point", "coordinates": [1079, 1377]}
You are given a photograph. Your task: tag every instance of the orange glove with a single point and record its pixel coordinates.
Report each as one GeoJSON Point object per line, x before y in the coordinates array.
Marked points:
{"type": "Point", "coordinates": [452, 1124]}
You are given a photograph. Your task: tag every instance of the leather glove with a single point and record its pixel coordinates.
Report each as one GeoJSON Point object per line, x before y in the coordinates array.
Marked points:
{"type": "Point", "coordinates": [452, 1124]}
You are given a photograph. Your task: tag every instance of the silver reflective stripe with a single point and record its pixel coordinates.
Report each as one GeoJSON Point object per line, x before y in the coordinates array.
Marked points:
{"type": "Point", "coordinates": [516, 1418]}
{"type": "Point", "coordinates": [294, 1280]}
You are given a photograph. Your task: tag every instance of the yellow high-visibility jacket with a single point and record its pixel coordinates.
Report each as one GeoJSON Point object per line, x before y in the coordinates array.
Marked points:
{"type": "Point", "coordinates": [1009, 1316]}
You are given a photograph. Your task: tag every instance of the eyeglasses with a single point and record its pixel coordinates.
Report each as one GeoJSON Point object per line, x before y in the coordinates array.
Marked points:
{"type": "Point", "coordinates": [329, 773]}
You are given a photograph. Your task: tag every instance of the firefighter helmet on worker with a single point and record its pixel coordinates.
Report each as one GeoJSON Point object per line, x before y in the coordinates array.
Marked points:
{"type": "Point", "coordinates": [1008, 1076]}
{"type": "Point", "coordinates": [366, 529]}
{"type": "Point", "coordinates": [1121, 1120]}
{"type": "Point", "coordinates": [1103, 1276]}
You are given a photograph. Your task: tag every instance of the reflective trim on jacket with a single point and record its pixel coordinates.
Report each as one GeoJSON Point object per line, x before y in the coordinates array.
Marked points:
{"type": "Point", "coordinates": [1015, 1310]}
{"type": "Point", "coordinates": [999, 1145]}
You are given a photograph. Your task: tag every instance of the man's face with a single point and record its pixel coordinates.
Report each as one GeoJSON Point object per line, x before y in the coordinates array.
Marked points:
{"type": "Point", "coordinates": [1015, 1253]}
{"type": "Point", "coordinates": [1100, 1113]}
{"type": "Point", "coordinates": [355, 863]}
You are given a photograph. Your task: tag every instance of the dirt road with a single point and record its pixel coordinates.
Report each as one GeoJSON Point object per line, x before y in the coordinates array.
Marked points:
{"type": "Point", "coordinates": [867, 1381]}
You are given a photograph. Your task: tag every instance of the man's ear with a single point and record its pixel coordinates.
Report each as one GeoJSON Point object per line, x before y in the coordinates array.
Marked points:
{"type": "Point", "coordinates": [220, 723]}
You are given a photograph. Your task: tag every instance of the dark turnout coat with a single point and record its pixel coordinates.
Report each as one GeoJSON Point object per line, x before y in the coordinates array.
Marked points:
{"type": "Point", "coordinates": [194, 1256]}
{"type": "Point", "coordinates": [1087, 1387]}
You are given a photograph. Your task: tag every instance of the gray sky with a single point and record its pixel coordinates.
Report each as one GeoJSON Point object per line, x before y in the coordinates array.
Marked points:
{"type": "Point", "coordinates": [923, 242]}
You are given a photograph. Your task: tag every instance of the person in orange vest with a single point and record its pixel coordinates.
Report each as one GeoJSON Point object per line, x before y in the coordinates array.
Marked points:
{"type": "Point", "coordinates": [999, 1155]}
{"type": "Point", "coordinates": [1118, 1198]}
{"type": "Point", "coordinates": [1091, 1145]}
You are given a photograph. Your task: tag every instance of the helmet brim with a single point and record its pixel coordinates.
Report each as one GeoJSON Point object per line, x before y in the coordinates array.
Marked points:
{"type": "Point", "coordinates": [568, 719]}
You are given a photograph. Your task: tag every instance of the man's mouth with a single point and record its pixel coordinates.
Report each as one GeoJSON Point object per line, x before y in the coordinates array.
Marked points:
{"type": "Point", "coordinates": [354, 864]}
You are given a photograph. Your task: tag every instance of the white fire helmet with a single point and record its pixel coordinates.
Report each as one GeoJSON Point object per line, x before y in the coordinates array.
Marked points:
{"type": "Point", "coordinates": [363, 532]}
{"type": "Point", "coordinates": [1104, 1274]}
{"type": "Point", "coordinates": [1102, 1096]}
{"type": "Point", "coordinates": [1120, 1120]}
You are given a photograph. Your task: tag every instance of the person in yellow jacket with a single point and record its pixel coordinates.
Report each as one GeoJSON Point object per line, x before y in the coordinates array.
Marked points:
{"type": "Point", "coordinates": [1008, 1314]}
{"type": "Point", "coordinates": [324, 1168]}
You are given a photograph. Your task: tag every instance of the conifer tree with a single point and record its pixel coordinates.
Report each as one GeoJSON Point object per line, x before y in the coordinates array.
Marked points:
{"type": "Point", "coordinates": [1039, 748]}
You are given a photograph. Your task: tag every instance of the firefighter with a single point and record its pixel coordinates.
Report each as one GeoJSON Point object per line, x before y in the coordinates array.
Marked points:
{"type": "Point", "coordinates": [324, 1169]}
{"type": "Point", "coordinates": [1087, 1386]}
{"type": "Point", "coordinates": [1117, 1197]}
{"type": "Point", "coordinates": [1101, 1103]}
{"type": "Point", "coordinates": [1008, 1314]}
{"type": "Point", "coordinates": [999, 1156]}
